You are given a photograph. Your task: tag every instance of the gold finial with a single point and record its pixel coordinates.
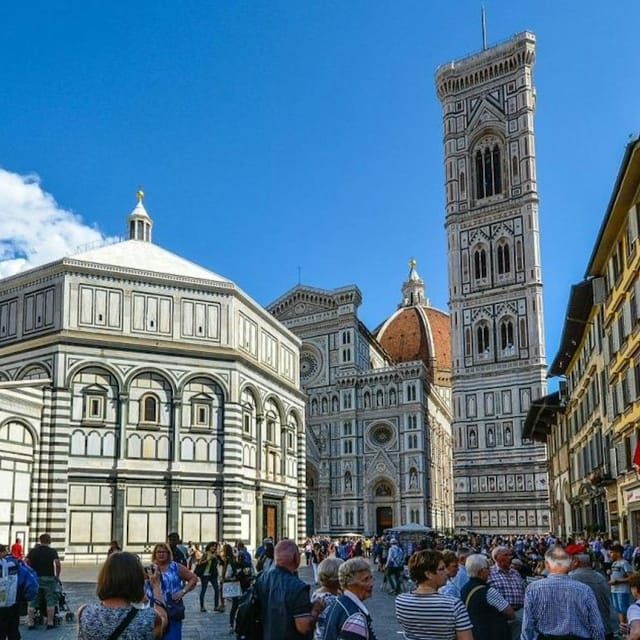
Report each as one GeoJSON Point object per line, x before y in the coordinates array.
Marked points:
{"type": "Point", "coordinates": [412, 263]}
{"type": "Point", "coordinates": [140, 194]}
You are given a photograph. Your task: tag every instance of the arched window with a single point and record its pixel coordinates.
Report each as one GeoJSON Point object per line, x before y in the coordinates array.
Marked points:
{"type": "Point", "coordinates": [488, 171]}
{"type": "Point", "coordinates": [325, 405]}
{"type": "Point", "coordinates": [480, 263]}
{"type": "Point", "coordinates": [392, 397]}
{"type": "Point", "coordinates": [367, 400]}
{"type": "Point", "coordinates": [314, 407]}
{"type": "Point", "coordinates": [334, 404]}
{"type": "Point", "coordinates": [506, 335]}
{"type": "Point", "coordinates": [379, 398]}
{"type": "Point", "coordinates": [149, 409]}
{"type": "Point", "coordinates": [482, 338]}
{"type": "Point", "coordinates": [503, 257]}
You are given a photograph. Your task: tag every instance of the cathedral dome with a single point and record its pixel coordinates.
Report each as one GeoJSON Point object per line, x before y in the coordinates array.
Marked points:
{"type": "Point", "coordinates": [418, 331]}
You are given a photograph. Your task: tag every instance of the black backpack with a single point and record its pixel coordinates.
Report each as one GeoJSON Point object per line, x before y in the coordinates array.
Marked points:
{"type": "Point", "coordinates": [248, 625]}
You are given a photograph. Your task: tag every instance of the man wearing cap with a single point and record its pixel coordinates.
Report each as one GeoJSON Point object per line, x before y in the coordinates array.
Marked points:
{"type": "Point", "coordinates": [395, 565]}
{"type": "Point", "coordinates": [559, 607]}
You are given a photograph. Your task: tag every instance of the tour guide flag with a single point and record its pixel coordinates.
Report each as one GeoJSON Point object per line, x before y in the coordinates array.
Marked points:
{"type": "Point", "coordinates": [636, 457]}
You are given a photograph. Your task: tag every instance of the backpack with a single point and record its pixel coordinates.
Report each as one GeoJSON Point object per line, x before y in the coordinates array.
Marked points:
{"type": "Point", "coordinates": [28, 584]}
{"type": "Point", "coordinates": [248, 625]}
{"type": "Point", "coordinates": [9, 570]}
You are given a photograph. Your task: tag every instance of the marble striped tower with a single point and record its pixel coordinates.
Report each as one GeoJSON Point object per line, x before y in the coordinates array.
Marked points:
{"type": "Point", "coordinates": [495, 286]}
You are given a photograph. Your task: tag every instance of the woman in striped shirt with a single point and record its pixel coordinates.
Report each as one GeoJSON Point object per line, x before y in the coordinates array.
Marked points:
{"type": "Point", "coordinates": [425, 614]}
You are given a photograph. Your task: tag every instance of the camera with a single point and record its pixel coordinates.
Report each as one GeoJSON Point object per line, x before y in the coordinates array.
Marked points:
{"type": "Point", "coordinates": [150, 569]}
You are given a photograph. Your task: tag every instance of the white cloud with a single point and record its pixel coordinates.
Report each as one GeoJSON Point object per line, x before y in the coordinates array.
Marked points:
{"type": "Point", "coordinates": [34, 230]}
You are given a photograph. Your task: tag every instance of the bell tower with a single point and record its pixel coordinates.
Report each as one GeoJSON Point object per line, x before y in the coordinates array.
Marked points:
{"type": "Point", "coordinates": [495, 286]}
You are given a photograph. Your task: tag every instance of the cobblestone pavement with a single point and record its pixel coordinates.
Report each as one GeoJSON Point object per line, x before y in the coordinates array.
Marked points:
{"type": "Point", "coordinates": [79, 586]}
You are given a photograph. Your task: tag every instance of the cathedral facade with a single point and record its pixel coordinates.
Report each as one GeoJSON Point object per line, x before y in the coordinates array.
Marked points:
{"type": "Point", "coordinates": [141, 393]}
{"type": "Point", "coordinates": [378, 418]}
{"type": "Point", "coordinates": [495, 286]}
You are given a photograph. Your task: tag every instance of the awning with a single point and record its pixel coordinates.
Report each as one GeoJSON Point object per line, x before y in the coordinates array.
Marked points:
{"type": "Point", "coordinates": [541, 417]}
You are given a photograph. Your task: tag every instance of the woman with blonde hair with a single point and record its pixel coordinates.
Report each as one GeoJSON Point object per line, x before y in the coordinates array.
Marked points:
{"type": "Point", "coordinates": [176, 581]}
{"type": "Point", "coordinates": [329, 590]}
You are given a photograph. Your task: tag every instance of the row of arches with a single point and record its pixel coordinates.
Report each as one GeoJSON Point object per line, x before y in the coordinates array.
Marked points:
{"type": "Point", "coordinates": [499, 260]}
{"type": "Point", "coordinates": [504, 337]}
{"type": "Point", "coordinates": [369, 399]}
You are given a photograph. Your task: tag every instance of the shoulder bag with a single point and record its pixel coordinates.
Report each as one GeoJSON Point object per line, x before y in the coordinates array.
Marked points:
{"type": "Point", "coordinates": [124, 623]}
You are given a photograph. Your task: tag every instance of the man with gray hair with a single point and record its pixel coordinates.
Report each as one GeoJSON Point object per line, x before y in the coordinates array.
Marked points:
{"type": "Point", "coordinates": [509, 583]}
{"type": "Point", "coordinates": [582, 571]}
{"type": "Point", "coordinates": [488, 610]}
{"type": "Point", "coordinates": [559, 607]}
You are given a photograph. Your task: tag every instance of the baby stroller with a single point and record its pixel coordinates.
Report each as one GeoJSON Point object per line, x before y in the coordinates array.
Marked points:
{"type": "Point", "coordinates": [62, 610]}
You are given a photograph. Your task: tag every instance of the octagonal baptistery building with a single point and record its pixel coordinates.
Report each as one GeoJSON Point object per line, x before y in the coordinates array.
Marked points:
{"type": "Point", "coordinates": [140, 394]}
{"type": "Point", "coordinates": [379, 445]}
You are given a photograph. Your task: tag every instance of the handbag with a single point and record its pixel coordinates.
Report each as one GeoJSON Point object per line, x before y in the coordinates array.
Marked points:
{"type": "Point", "coordinates": [124, 623]}
{"type": "Point", "coordinates": [175, 609]}
{"type": "Point", "coordinates": [199, 570]}
{"type": "Point", "coordinates": [231, 589]}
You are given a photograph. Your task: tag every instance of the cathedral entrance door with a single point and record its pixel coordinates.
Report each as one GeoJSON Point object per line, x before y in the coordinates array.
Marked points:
{"type": "Point", "coordinates": [384, 519]}
{"type": "Point", "coordinates": [270, 521]}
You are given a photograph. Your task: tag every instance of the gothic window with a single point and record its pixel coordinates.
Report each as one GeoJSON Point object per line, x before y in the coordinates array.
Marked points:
{"type": "Point", "coordinates": [412, 441]}
{"type": "Point", "coordinates": [504, 257]}
{"type": "Point", "coordinates": [347, 429]}
{"type": "Point", "coordinates": [346, 399]}
{"type": "Point", "coordinates": [150, 409]}
{"type": "Point", "coordinates": [467, 341]}
{"type": "Point", "coordinates": [411, 393]}
{"type": "Point", "coordinates": [480, 264]}
{"type": "Point", "coordinates": [488, 173]}
{"type": "Point", "coordinates": [506, 336]}
{"type": "Point", "coordinates": [482, 339]}
{"type": "Point", "coordinates": [347, 447]}
{"type": "Point", "coordinates": [334, 404]}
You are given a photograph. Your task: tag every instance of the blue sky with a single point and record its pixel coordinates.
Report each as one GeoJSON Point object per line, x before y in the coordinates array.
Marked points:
{"type": "Point", "coordinates": [275, 135]}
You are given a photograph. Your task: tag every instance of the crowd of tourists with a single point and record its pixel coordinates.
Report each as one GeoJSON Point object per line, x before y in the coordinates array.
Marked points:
{"type": "Point", "coordinates": [471, 588]}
